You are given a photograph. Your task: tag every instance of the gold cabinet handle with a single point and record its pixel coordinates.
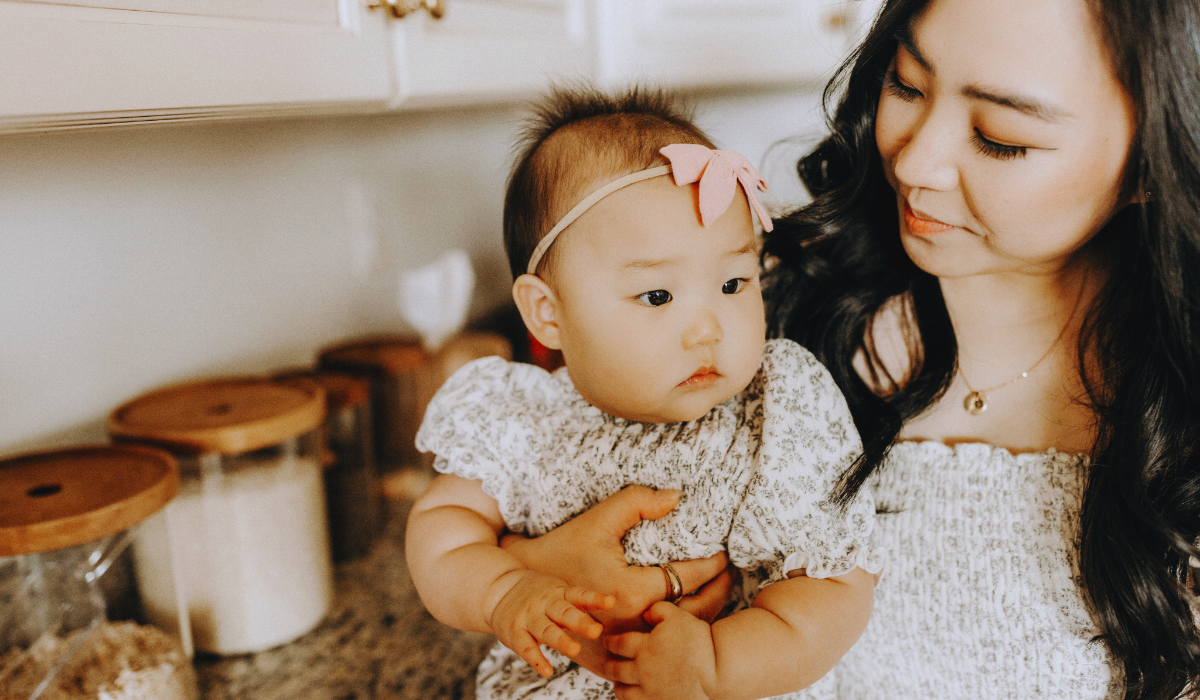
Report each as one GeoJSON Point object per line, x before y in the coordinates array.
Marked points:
{"type": "Point", "coordinates": [403, 8]}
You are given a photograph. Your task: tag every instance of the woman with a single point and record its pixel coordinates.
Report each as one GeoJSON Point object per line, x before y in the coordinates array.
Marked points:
{"type": "Point", "coordinates": [1000, 270]}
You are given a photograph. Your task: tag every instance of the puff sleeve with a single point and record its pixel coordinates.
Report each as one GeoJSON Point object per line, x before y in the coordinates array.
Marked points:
{"type": "Point", "coordinates": [785, 521]}
{"type": "Point", "coordinates": [484, 424]}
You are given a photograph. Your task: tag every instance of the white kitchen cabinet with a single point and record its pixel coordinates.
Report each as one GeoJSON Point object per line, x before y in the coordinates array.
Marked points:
{"type": "Point", "coordinates": [75, 63]}
{"type": "Point", "coordinates": [79, 63]}
{"type": "Point", "coordinates": [484, 50]}
{"type": "Point", "coordinates": [487, 50]}
{"type": "Point", "coordinates": [700, 43]}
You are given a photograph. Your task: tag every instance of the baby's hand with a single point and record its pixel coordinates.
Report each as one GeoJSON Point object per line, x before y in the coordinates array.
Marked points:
{"type": "Point", "coordinates": [541, 609]}
{"type": "Point", "coordinates": [674, 661]}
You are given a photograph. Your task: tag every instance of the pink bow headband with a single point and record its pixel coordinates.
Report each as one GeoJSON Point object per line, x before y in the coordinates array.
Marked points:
{"type": "Point", "coordinates": [718, 172]}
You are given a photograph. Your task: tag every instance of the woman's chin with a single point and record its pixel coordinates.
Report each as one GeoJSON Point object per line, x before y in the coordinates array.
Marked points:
{"type": "Point", "coordinates": [943, 256]}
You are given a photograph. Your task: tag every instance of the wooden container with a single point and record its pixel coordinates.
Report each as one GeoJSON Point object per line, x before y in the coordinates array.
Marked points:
{"type": "Point", "coordinates": [66, 520]}
{"type": "Point", "coordinates": [249, 525]}
{"type": "Point", "coordinates": [404, 378]}
{"type": "Point", "coordinates": [393, 365]}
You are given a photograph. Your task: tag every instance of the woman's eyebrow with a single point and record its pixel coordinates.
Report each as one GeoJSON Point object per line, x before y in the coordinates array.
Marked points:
{"type": "Point", "coordinates": [904, 37]}
{"type": "Point", "coordinates": [1024, 105]}
{"type": "Point", "coordinates": [1020, 103]}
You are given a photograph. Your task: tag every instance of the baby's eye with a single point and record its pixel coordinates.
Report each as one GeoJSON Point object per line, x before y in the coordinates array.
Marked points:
{"type": "Point", "coordinates": [656, 298]}
{"type": "Point", "coordinates": [734, 285]}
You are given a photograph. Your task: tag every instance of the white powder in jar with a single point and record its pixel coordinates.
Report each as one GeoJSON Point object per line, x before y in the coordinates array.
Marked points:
{"type": "Point", "coordinates": [117, 661]}
{"type": "Point", "coordinates": [253, 551]}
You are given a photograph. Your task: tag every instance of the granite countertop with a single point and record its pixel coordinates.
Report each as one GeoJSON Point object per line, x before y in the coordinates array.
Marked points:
{"type": "Point", "coordinates": [376, 642]}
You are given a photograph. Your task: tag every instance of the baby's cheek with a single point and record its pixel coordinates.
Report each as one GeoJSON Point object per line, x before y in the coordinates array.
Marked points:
{"type": "Point", "coordinates": [749, 338]}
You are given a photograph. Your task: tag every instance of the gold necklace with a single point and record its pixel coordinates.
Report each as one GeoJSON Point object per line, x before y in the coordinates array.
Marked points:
{"type": "Point", "coordinates": [975, 402]}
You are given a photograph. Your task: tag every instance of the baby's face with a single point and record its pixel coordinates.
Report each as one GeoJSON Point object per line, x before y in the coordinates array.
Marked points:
{"type": "Point", "coordinates": [660, 318]}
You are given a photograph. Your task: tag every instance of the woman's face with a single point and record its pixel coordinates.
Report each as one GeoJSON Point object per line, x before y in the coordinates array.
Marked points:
{"type": "Point", "coordinates": [1004, 132]}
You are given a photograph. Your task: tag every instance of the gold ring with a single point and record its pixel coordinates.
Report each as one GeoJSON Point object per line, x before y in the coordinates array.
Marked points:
{"type": "Point", "coordinates": [674, 584]}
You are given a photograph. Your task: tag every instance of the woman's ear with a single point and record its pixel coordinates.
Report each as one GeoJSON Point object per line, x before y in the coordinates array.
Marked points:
{"type": "Point", "coordinates": [539, 309]}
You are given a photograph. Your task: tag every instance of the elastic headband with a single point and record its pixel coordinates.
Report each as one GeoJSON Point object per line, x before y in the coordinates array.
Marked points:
{"type": "Point", "coordinates": [718, 172]}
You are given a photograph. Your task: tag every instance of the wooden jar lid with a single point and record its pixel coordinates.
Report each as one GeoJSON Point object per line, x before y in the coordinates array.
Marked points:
{"type": "Point", "coordinates": [229, 416]}
{"type": "Point", "coordinates": [62, 498]}
{"type": "Point", "coordinates": [387, 355]}
{"type": "Point", "coordinates": [341, 390]}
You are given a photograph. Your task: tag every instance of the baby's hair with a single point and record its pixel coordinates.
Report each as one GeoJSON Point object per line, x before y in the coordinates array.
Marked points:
{"type": "Point", "coordinates": [578, 139]}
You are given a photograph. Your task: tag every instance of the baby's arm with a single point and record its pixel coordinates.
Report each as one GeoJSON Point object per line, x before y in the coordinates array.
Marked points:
{"type": "Point", "coordinates": [793, 635]}
{"type": "Point", "coordinates": [468, 582]}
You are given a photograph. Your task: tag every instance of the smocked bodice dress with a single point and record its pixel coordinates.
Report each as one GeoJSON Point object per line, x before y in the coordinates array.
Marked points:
{"type": "Point", "coordinates": [980, 597]}
{"type": "Point", "coordinates": [754, 472]}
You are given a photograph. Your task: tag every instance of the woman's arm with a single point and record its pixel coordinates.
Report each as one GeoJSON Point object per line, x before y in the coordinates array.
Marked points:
{"type": "Point", "coordinates": [587, 552]}
{"type": "Point", "coordinates": [468, 582]}
{"type": "Point", "coordinates": [793, 635]}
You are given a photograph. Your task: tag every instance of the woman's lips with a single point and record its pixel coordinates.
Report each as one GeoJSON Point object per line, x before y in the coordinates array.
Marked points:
{"type": "Point", "coordinates": [702, 378]}
{"type": "Point", "coordinates": [919, 226]}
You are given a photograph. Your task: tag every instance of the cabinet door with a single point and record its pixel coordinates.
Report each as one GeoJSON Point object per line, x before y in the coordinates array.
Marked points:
{"type": "Point", "coordinates": [697, 43]}
{"type": "Point", "coordinates": [484, 50]}
{"type": "Point", "coordinates": [71, 63]}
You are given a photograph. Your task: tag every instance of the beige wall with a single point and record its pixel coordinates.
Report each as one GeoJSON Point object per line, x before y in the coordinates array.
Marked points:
{"type": "Point", "coordinates": [130, 258]}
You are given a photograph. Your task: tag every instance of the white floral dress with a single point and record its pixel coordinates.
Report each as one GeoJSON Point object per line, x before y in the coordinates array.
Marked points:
{"type": "Point", "coordinates": [755, 473]}
{"type": "Point", "coordinates": [981, 598]}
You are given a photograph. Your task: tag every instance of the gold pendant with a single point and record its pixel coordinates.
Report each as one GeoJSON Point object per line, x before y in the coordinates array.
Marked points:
{"type": "Point", "coordinates": [975, 403]}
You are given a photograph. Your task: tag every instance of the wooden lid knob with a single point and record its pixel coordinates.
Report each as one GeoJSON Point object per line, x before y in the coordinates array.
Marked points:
{"type": "Point", "coordinates": [387, 355]}
{"type": "Point", "coordinates": [63, 498]}
{"type": "Point", "coordinates": [229, 416]}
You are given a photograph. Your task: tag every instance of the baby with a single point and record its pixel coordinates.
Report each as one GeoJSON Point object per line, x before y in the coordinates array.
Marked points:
{"type": "Point", "coordinates": [633, 246]}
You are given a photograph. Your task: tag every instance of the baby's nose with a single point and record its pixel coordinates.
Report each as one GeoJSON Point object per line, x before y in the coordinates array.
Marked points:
{"type": "Point", "coordinates": [705, 330]}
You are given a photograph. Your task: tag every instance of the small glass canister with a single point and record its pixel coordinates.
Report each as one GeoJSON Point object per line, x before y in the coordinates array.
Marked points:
{"type": "Point", "coordinates": [352, 495]}
{"type": "Point", "coordinates": [248, 527]}
{"type": "Point", "coordinates": [66, 517]}
{"type": "Point", "coordinates": [393, 365]}
{"type": "Point", "coordinates": [404, 378]}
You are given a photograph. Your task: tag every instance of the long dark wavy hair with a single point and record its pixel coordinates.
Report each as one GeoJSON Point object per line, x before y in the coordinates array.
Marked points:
{"type": "Point", "coordinates": [833, 264]}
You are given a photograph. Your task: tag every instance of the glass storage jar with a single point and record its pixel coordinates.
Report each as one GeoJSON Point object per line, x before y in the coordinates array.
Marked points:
{"type": "Point", "coordinates": [404, 378]}
{"type": "Point", "coordinates": [66, 517]}
{"type": "Point", "coordinates": [393, 365]}
{"type": "Point", "coordinates": [352, 496]}
{"type": "Point", "coordinates": [248, 527]}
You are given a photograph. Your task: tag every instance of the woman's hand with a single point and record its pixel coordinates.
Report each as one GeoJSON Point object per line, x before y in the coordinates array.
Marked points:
{"type": "Point", "coordinates": [587, 552]}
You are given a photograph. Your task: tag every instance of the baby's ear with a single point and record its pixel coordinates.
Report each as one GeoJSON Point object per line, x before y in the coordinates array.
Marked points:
{"type": "Point", "coordinates": [539, 309]}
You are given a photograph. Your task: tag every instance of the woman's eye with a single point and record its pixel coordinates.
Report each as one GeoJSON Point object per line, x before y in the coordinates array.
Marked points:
{"type": "Point", "coordinates": [894, 86]}
{"type": "Point", "coordinates": [734, 285]}
{"type": "Point", "coordinates": [656, 298]}
{"type": "Point", "coordinates": [999, 151]}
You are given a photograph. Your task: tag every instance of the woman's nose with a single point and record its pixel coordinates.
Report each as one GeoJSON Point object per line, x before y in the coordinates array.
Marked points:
{"type": "Point", "coordinates": [704, 330]}
{"type": "Point", "coordinates": [925, 159]}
